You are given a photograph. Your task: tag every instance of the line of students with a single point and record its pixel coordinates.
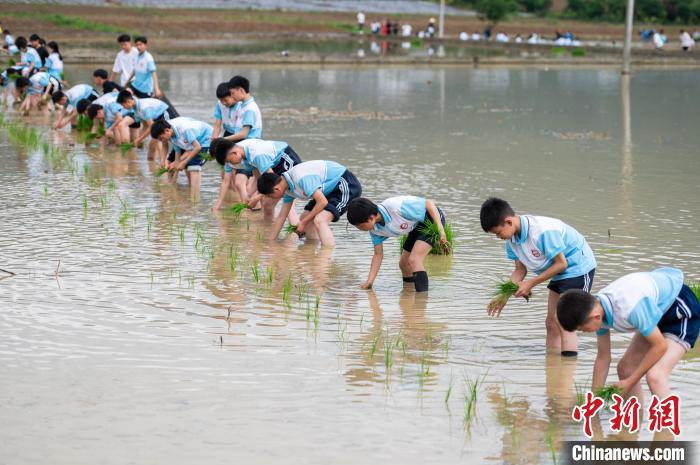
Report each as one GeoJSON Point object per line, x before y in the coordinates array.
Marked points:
{"type": "Point", "coordinates": [662, 311]}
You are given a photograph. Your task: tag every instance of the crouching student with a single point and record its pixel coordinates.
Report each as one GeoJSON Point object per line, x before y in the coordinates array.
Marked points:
{"type": "Point", "coordinates": [66, 104]}
{"type": "Point", "coordinates": [101, 79]}
{"type": "Point", "coordinates": [661, 311]}
{"type": "Point", "coordinates": [106, 112]}
{"type": "Point", "coordinates": [553, 250]}
{"type": "Point", "coordinates": [328, 186]}
{"type": "Point", "coordinates": [260, 156]}
{"type": "Point", "coordinates": [396, 217]}
{"type": "Point", "coordinates": [190, 139]}
{"type": "Point", "coordinates": [143, 112]}
{"type": "Point", "coordinates": [36, 89]}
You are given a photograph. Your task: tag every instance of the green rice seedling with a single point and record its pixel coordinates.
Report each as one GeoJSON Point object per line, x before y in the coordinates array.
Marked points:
{"type": "Point", "coordinates": [362, 320]}
{"type": "Point", "coordinates": [256, 272]}
{"type": "Point", "coordinates": [388, 352]}
{"type": "Point", "coordinates": [446, 346]}
{"type": "Point", "coordinates": [46, 190]}
{"type": "Point", "coordinates": [236, 209]}
{"type": "Point", "coordinates": [424, 371]}
{"type": "Point", "coordinates": [505, 289]}
{"type": "Point", "coordinates": [232, 258]}
{"type": "Point", "coordinates": [160, 171]}
{"type": "Point", "coordinates": [259, 236]}
{"type": "Point", "coordinates": [374, 345]}
{"type": "Point", "coordinates": [471, 389]}
{"type": "Point", "coordinates": [125, 147]}
{"type": "Point", "coordinates": [308, 311]}
{"type": "Point", "coordinates": [84, 124]}
{"type": "Point", "coordinates": [695, 287]}
{"type": "Point", "coordinates": [287, 289]}
{"type": "Point", "coordinates": [289, 229]}
{"type": "Point", "coordinates": [206, 156]}
{"type": "Point", "coordinates": [550, 444]}
{"type": "Point", "coordinates": [111, 186]}
{"type": "Point", "coordinates": [46, 148]}
{"type": "Point", "coordinates": [270, 276]}
{"type": "Point", "coordinates": [431, 230]}
{"type": "Point", "coordinates": [85, 203]}
{"type": "Point", "coordinates": [449, 392]}
{"type": "Point", "coordinates": [317, 313]}
{"type": "Point", "coordinates": [124, 217]}
{"type": "Point", "coordinates": [181, 233]}
{"type": "Point", "coordinates": [580, 394]}
{"type": "Point", "coordinates": [302, 290]}
{"type": "Point", "coordinates": [606, 392]}
{"type": "Point", "coordinates": [91, 137]}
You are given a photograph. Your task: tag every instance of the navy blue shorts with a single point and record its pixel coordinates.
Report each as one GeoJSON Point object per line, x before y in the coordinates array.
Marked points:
{"type": "Point", "coordinates": [681, 322]}
{"type": "Point", "coordinates": [416, 235]}
{"type": "Point", "coordinates": [289, 159]}
{"type": "Point", "coordinates": [196, 163]}
{"type": "Point", "coordinates": [348, 188]}
{"type": "Point", "coordinates": [583, 282]}
{"type": "Point", "coordinates": [138, 93]}
{"type": "Point", "coordinates": [248, 173]}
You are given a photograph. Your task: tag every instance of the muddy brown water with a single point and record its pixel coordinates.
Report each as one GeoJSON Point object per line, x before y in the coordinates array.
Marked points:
{"type": "Point", "coordinates": [144, 346]}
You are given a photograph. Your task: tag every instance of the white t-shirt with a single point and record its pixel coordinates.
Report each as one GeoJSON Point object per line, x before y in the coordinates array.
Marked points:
{"type": "Point", "coordinates": [360, 17]}
{"type": "Point", "coordinates": [687, 40]}
{"type": "Point", "coordinates": [124, 64]}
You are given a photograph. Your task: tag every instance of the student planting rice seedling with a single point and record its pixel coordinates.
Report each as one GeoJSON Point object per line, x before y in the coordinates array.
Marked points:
{"type": "Point", "coordinates": [661, 311]}
{"type": "Point", "coordinates": [35, 90]}
{"type": "Point", "coordinates": [142, 113]}
{"type": "Point", "coordinates": [397, 216]}
{"type": "Point", "coordinates": [189, 139]}
{"type": "Point", "coordinates": [552, 250]}
{"type": "Point", "coordinates": [261, 156]}
{"type": "Point", "coordinates": [327, 185]}
{"type": "Point", "coordinates": [236, 209]}
{"type": "Point", "coordinates": [68, 104]}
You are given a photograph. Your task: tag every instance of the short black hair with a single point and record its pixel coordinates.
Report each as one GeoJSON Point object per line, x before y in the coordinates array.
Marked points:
{"type": "Point", "coordinates": [360, 209]}
{"type": "Point", "coordinates": [34, 37]}
{"type": "Point", "coordinates": [220, 148]}
{"type": "Point", "coordinates": [141, 39]}
{"type": "Point", "coordinates": [493, 212]}
{"type": "Point", "coordinates": [82, 105]}
{"type": "Point", "coordinates": [123, 96]}
{"type": "Point", "coordinates": [574, 308]}
{"type": "Point", "coordinates": [21, 42]}
{"type": "Point", "coordinates": [124, 38]}
{"type": "Point", "coordinates": [93, 109]}
{"type": "Point", "coordinates": [22, 82]}
{"type": "Point", "coordinates": [222, 90]}
{"type": "Point", "coordinates": [159, 128]}
{"type": "Point", "coordinates": [100, 73]}
{"type": "Point", "coordinates": [267, 182]}
{"type": "Point", "coordinates": [56, 96]}
{"type": "Point", "coordinates": [239, 81]}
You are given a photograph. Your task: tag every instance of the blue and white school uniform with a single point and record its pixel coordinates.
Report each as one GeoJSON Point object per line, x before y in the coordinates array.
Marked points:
{"type": "Point", "coordinates": [80, 92]}
{"type": "Point", "coordinates": [54, 66]}
{"type": "Point", "coordinates": [265, 155]}
{"type": "Point", "coordinates": [403, 215]}
{"type": "Point", "coordinates": [109, 104]}
{"type": "Point", "coordinates": [143, 73]}
{"type": "Point", "coordinates": [248, 114]}
{"type": "Point", "coordinates": [31, 56]}
{"type": "Point", "coordinates": [149, 109]}
{"type": "Point", "coordinates": [640, 302]}
{"type": "Point", "coordinates": [185, 132]}
{"type": "Point", "coordinates": [228, 116]}
{"type": "Point", "coordinates": [541, 239]}
{"type": "Point", "coordinates": [38, 83]}
{"type": "Point", "coordinates": [336, 182]}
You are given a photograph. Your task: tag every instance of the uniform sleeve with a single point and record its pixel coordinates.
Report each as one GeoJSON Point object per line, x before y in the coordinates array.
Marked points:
{"type": "Point", "coordinates": [217, 112]}
{"type": "Point", "coordinates": [551, 243]}
{"type": "Point", "coordinates": [190, 136]}
{"type": "Point", "coordinates": [117, 68]}
{"type": "Point", "coordinates": [509, 252]}
{"type": "Point", "coordinates": [310, 183]}
{"type": "Point", "coordinates": [248, 118]}
{"type": "Point", "coordinates": [228, 168]}
{"type": "Point", "coordinates": [287, 199]}
{"type": "Point", "coordinates": [376, 240]}
{"type": "Point", "coordinates": [602, 332]}
{"type": "Point", "coordinates": [151, 65]}
{"type": "Point", "coordinates": [413, 209]}
{"type": "Point", "coordinates": [262, 162]}
{"type": "Point", "coordinates": [642, 316]}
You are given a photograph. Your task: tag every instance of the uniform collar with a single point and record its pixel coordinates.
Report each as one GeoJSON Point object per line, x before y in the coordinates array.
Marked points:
{"type": "Point", "coordinates": [385, 216]}
{"type": "Point", "coordinates": [524, 227]}
{"type": "Point", "coordinates": [605, 303]}
{"type": "Point", "coordinates": [290, 184]}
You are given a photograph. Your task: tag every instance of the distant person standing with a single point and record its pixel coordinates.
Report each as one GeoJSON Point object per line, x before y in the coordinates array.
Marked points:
{"type": "Point", "coordinates": [361, 22]}
{"type": "Point", "coordinates": [406, 30]}
{"type": "Point", "coordinates": [658, 40]}
{"type": "Point", "coordinates": [145, 78]}
{"type": "Point", "coordinates": [687, 42]}
{"type": "Point", "coordinates": [125, 60]}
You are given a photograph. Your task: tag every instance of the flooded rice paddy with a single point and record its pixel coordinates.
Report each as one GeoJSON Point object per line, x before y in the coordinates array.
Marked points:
{"type": "Point", "coordinates": [140, 327]}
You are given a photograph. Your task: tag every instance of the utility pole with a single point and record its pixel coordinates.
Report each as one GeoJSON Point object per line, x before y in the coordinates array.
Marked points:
{"type": "Point", "coordinates": [441, 29]}
{"type": "Point", "coordinates": [627, 50]}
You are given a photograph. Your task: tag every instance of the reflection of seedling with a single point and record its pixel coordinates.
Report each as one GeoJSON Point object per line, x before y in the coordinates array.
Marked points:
{"type": "Point", "coordinates": [550, 444]}
{"type": "Point", "coordinates": [232, 258]}
{"type": "Point", "coordinates": [181, 233]}
{"type": "Point", "coordinates": [606, 392]}
{"type": "Point", "coordinates": [46, 190]}
{"type": "Point", "coordinates": [256, 272]}
{"type": "Point", "coordinates": [259, 236]}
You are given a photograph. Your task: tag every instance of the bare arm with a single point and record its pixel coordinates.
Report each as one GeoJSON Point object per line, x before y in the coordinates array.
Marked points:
{"type": "Point", "coordinates": [374, 266]}
{"type": "Point", "coordinates": [241, 135]}
{"type": "Point", "coordinates": [225, 185]}
{"type": "Point", "coordinates": [601, 366]}
{"type": "Point", "coordinates": [559, 265]}
{"type": "Point", "coordinates": [64, 119]}
{"type": "Point", "coordinates": [657, 348]}
{"type": "Point", "coordinates": [279, 221]}
{"type": "Point", "coordinates": [217, 129]}
{"type": "Point", "coordinates": [498, 303]}
{"type": "Point", "coordinates": [156, 87]}
{"type": "Point", "coordinates": [145, 132]}
{"type": "Point", "coordinates": [321, 202]}
{"type": "Point", "coordinates": [189, 155]}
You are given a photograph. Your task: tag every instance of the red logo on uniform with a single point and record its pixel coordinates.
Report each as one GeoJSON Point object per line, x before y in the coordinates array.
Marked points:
{"type": "Point", "coordinates": [536, 253]}
{"type": "Point", "coordinates": [404, 226]}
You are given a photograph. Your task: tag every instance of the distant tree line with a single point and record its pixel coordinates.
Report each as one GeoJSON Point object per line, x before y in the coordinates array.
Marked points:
{"type": "Point", "coordinates": [655, 11]}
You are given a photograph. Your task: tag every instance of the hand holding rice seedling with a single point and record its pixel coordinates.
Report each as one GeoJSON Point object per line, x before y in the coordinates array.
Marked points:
{"type": "Point", "coordinates": [237, 208]}
{"type": "Point", "coordinates": [161, 171]}
{"type": "Point", "coordinates": [606, 392]}
{"type": "Point", "coordinates": [505, 289]}
{"type": "Point", "coordinates": [440, 246]}
{"type": "Point", "coordinates": [125, 147]}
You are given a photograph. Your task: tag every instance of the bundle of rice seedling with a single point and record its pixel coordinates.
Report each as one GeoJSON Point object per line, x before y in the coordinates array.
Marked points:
{"type": "Point", "coordinates": [84, 124]}
{"type": "Point", "coordinates": [161, 171]}
{"type": "Point", "coordinates": [125, 147]}
{"type": "Point", "coordinates": [695, 287]}
{"type": "Point", "coordinates": [505, 290]}
{"type": "Point", "coordinates": [206, 156]}
{"type": "Point", "coordinates": [606, 392]}
{"type": "Point", "coordinates": [433, 233]}
{"type": "Point", "coordinates": [237, 208]}
{"type": "Point", "coordinates": [92, 136]}
{"type": "Point", "coordinates": [289, 229]}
